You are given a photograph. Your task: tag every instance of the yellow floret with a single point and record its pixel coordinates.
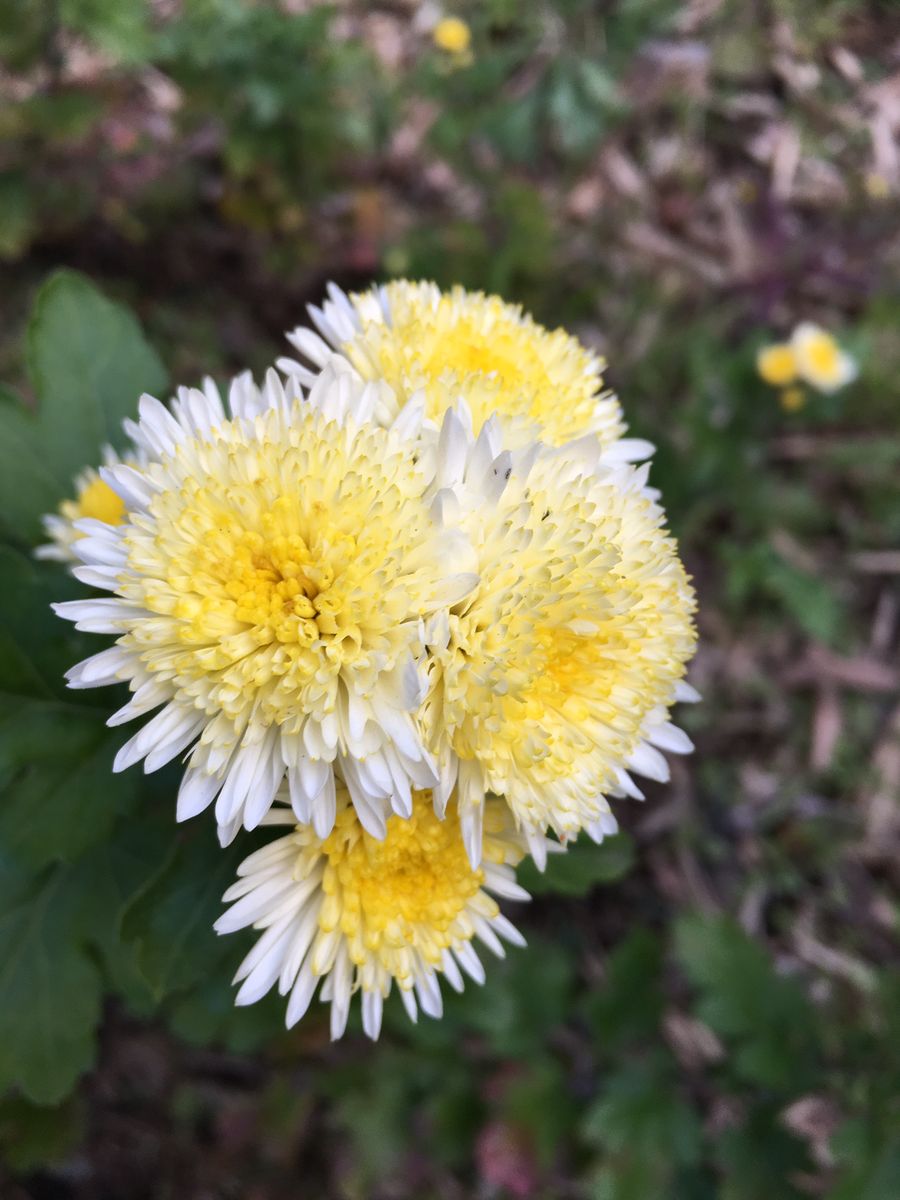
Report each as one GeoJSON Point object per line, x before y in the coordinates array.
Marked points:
{"type": "Point", "coordinates": [777, 365]}
{"type": "Point", "coordinates": [452, 35]}
{"type": "Point", "coordinates": [99, 501]}
{"type": "Point", "coordinates": [475, 346]}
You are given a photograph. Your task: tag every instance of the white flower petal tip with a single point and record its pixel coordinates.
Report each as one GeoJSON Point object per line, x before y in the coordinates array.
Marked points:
{"type": "Point", "coordinates": [466, 346]}
{"type": "Point", "coordinates": [685, 693]}
{"type": "Point", "coordinates": [355, 914]}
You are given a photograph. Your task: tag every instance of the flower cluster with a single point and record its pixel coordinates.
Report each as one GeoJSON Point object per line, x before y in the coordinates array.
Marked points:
{"type": "Point", "coordinates": [413, 599]}
{"type": "Point", "coordinates": [812, 357]}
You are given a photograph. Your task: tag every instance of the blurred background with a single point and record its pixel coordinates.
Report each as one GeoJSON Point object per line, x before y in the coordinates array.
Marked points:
{"type": "Point", "coordinates": [710, 1005]}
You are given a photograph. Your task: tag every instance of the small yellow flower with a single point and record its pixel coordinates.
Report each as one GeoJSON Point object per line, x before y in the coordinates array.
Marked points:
{"type": "Point", "coordinates": [792, 399]}
{"type": "Point", "coordinates": [93, 498]}
{"type": "Point", "coordinates": [99, 501]}
{"type": "Point", "coordinates": [777, 364]}
{"type": "Point", "coordinates": [820, 360]}
{"type": "Point", "coordinates": [452, 35]}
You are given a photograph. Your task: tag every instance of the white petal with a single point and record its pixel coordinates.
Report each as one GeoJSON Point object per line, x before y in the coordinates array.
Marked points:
{"type": "Point", "coordinates": [301, 995]}
{"type": "Point", "coordinates": [372, 1006]}
{"type": "Point", "coordinates": [197, 792]}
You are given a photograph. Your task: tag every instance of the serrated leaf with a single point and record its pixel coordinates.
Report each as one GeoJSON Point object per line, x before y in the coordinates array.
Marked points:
{"type": "Point", "coordinates": [583, 866]}
{"type": "Point", "coordinates": [768, 1019]}
{"type": "Point", "coordinates": [89, 362]}
{"type": "Point", "coordinates": [51, 926]}
{"type": "Point", "coordinates": [59, 793]}
{"type": "Point", "coordinates": [172, 921]}
{"type": "Point", "coordinates": [49, 988]}
{"type": "Point", "coordinates": [59, 804]}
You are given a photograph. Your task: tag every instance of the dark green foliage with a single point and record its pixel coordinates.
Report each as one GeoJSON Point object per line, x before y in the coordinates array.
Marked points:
{"type": "Point", "coordinates": [583, 866]}
{"type": "Point", "coordinates": [767, 1017]}
{"type": "Point", "coordinates": [88, 365]}
{"type": "Point", "coordinates": [272, 78]}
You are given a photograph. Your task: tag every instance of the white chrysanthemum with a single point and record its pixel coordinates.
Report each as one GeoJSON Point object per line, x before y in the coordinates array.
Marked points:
{"type": "Point", "coordinates": [358, 914]}
{"type": "Point", "coordinates": [269, 586]}
{"type": "Point", "coordinates": [819, 359]}
{"type": "Point", "coordinates": [93, 499]}
{"type": "Point", "coordinates": [469, 345]}
{"type": "Point", "coordinates": [550, 681]}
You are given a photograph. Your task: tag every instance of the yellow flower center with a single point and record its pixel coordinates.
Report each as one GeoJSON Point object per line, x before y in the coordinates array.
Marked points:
{"type": "Point", "coordinates": [823, 355]}
{"type": "Point", "coordinates": [579, 628]}
{"type": "Point", "coordinates": [274, 566]}
{"type": "Point", "coordinates": [409, 890]}
{"type": "Point", "coordinates": [99, 501]}
{"type": "Point", "coordinates": [273, 577]}
{"type": "Point", "coordinates": [453, 35]}
{"type": "Point", "coordinates": [514, 363]}
{"type": "Point", "coordinates": [476, 346]}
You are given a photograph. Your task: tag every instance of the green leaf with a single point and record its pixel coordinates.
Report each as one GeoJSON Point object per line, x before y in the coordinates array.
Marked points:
{"type": "Point", "coordinates": [33, 1135]}
{"type": "Point", "coordinates": [207, 1014]}
{"type": "Point", "coordinates": [59, 793]}
{"type": "Point", "coordinates": [522, 998]}
{"type": "Point", "coordinates": [51, 926]}
{"type": "Point", "coordinates": [642, 1115]}
{"type": "Point", "coordinates": [28, 485]}
{"type": "Point", "coordinates": [44, 973]}
{"type": "Point", "coordinates": [17, 224]}
{"type": "Point", "coordinates": [120, 27]}
{"type": "Point", "coordinates": [538, 1099]}
{"type": "Point", "coordinates": [173, 920]}
{"type": "Point", "coordinates": [767, 1018]}
{"type": "Point", "coordinates": [89, 363]}
{"type": "Point", "coordinates": [627, 1007]}
{"type": "Point", "coordinates": [582, 867]}
{"type": "Point", "coordinates": [759, 1158]}
{"type": "Point", "coordinates": [870, 1174]}
{"type": "Point", "coordinates": [68, 799]}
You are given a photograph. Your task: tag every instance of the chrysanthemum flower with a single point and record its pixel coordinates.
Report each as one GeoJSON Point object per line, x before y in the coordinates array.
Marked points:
{"type": "Point", "coordinates": [469, 345]}
{"type": "Point", "coordinates": [358, 914]}
{"type": "Point", "coordinates": [820, 360]}
{"type": "Point", "coordinates": [93, 499]}
{"type": "Point", "coordinates": [452, 35]}
{"type": "Point", "coordinates": [777, 364]}
{"type": "Point", "coordinates": [551, 680]}
{"type": "Point", "coordinates": [269, 585]}
{"type": "Point", "coordinates": [812, 356]}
